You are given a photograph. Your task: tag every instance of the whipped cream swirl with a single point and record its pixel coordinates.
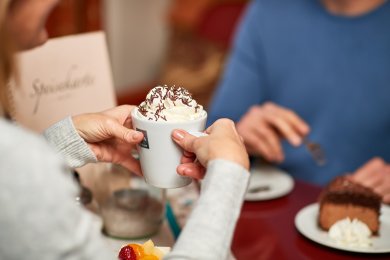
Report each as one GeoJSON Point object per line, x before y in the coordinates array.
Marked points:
{"type": "Point", "coordinates": [351, 233]}
{"type": "Point", "coordinates": [173, 104]}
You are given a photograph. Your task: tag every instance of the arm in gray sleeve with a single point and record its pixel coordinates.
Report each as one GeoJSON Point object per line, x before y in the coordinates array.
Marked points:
{"type": "Point", "coordinates": [40, 218]}
{"type": "Point", "coordinates": [209, 230]}
{"type": "Point", "coordinates": [65, 139]}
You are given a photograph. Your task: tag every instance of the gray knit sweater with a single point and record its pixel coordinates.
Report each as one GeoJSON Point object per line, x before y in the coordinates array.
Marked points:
{"type": "Point", "coordinates": [39, 218]}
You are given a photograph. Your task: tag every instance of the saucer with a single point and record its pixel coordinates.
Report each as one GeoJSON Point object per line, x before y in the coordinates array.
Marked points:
{"type": "Point", "coordinates": [268, 182]}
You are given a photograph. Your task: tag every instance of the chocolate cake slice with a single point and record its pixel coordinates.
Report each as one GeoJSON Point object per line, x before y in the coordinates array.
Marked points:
{"type": "Point", "coordinates": [343, 198]}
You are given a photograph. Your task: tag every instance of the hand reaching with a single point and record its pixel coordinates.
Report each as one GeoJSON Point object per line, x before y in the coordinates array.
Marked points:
{"type": "Point", "coordinates": [222, 142]}
{"type": "Point", "coordinates": [263, 127]}
{"type": "Point", "coordinates": [375, 174]}
{"type": "Point", "coordinates": [110, 136]}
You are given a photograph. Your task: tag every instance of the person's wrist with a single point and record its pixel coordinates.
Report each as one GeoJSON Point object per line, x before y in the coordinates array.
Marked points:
{"type": "Point", "coordinates": [240, 158]}
{"type": "Point", "coordinates": [76, 120]}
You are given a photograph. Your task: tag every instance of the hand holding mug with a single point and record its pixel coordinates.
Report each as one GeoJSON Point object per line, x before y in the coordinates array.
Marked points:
{"type": "Point", "coordinates": [222, 142]}
{"type": "Point", "coordinates": [110, 136]}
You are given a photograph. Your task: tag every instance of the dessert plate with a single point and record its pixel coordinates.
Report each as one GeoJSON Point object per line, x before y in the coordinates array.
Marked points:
{"type": "Point", "coordinates": [267, 182]}
{"type": "Point", "coordinates": [307, 225]}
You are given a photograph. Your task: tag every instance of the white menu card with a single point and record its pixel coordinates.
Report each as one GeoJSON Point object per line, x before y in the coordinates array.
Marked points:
{"type": "Point", "coordinates": [66, 76]}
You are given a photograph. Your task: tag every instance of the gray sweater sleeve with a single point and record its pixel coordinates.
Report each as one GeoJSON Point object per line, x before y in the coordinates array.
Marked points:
{"type": "Point", "coordinates": [209, 230]}
{"type": "Point", "coordinates": [65, 140]}
{"type": "Point", "coordinates": [40, 219]}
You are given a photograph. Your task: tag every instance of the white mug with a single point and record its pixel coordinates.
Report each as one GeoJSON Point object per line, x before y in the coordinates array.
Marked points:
{"type": "Point", "coordinates": [159, 155]}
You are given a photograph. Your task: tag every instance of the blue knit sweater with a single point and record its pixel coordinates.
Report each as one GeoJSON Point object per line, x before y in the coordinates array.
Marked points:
{"type": "Point", "coordinates": [333, 71]}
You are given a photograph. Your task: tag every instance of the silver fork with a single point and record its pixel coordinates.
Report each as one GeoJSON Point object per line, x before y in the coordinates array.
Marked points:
{"type": "Point", "coordinates": [316, 151]}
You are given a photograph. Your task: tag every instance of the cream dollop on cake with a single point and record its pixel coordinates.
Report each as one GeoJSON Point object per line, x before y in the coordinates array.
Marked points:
{"type": "Point", "coordinates": [351, 233]}
{"type": "Point", "coordinates": [172, 104]}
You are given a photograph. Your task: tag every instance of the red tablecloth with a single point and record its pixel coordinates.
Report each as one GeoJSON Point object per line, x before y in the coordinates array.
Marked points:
{"type": "Point", "coordinates": [266, 230]}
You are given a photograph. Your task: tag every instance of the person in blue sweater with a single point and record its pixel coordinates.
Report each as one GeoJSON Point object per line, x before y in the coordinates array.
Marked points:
{"type": "Point", "coordinates": [316, 69]}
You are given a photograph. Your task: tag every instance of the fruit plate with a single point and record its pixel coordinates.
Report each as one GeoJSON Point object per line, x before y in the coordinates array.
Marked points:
{"type": "Point", "coordinates": [164, 249]}
{"type": "Point", "coordinates": [307, 224]}
{"type": "Point", "coordinates": [146, 250]}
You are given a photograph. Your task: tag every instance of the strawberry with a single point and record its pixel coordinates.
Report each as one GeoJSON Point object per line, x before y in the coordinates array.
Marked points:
{"type": "Point", "coordinates": [127, 253]}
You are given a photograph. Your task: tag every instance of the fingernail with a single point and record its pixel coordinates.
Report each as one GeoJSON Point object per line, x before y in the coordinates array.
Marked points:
{"type": "Point", "coordinates": [296, 141]}
{"type": "Point", "coordinates": [304, 129]}
{"type": "Point", "coordinates": [136, 135]}
{"type": "Point", "coordinates": [187, 172]}
{"type": "Point", "coordinates": [177, 135]}
{"type": "Point", "coordinates": [183, 170]}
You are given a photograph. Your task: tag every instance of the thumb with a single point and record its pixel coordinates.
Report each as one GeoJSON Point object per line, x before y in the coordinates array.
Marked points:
{"type": "Point", "coordinates": [184, 140]}
{"type": "Point", "coordinates": [125, 134]}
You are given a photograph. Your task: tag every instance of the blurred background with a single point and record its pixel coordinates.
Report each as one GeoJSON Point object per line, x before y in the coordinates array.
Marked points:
{"type": "Point", "coordinates": [155, 42]}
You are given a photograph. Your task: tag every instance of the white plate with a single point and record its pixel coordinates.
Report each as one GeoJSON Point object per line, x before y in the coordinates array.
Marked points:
{"type": "Point", "coordinates": [307, 225]}
{"type": "Point", "coordinates": [279, 182]}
